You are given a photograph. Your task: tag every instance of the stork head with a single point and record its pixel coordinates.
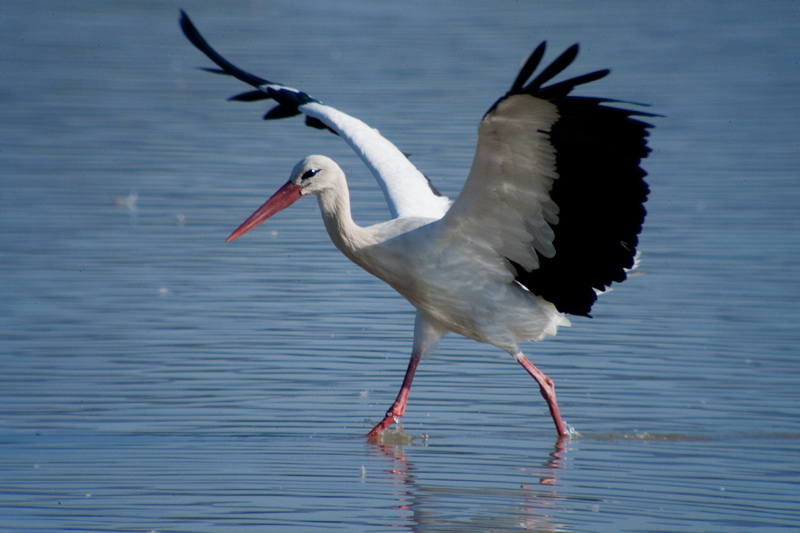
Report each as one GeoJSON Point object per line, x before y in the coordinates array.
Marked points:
{"type": "Point", "coordinates": [312, 175]}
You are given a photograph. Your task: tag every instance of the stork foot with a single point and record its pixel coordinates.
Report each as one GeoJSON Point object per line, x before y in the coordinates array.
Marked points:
{"type": "Point", "coordinates": [387, 421]}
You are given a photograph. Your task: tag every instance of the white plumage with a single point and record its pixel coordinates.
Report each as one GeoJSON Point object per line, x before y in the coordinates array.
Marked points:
{"type": "Point", "coordinates": [548, 217]}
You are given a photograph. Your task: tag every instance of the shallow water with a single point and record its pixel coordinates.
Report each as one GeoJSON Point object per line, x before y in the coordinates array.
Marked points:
{"type": "Point", "coordinates": [154, 378]}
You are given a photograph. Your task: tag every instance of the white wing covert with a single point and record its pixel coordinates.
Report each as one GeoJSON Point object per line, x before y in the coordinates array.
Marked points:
{"type": "Point", "coordinates": [506, 201]}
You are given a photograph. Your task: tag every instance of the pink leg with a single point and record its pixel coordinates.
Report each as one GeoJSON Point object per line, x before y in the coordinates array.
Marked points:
{"type": "Point", "coordinates": [426, 337]}
{"type": "Point", "coordinates": [399, 406]}
{"type": "Point", "coordinates": [548, 390]}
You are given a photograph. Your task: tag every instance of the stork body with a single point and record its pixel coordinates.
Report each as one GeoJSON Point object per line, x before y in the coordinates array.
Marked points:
{"type": "Point", "coordinates": [531, 237]}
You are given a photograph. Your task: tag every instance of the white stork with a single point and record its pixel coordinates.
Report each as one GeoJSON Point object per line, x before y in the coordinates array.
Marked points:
{"type": "Point", "coordinates": [547, 219]}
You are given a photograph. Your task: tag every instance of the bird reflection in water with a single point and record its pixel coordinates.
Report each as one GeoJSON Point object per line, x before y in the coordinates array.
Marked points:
{"type": "Point", "coordinates": [519, 505]}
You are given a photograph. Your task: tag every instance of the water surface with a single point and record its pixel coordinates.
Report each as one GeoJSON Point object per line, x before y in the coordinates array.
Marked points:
{"type": "Point", "coordinates": [153, 378]}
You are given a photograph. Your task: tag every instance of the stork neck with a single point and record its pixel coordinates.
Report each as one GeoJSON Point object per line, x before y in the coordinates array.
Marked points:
{"type": "Point", "coordinates": [334, 204]}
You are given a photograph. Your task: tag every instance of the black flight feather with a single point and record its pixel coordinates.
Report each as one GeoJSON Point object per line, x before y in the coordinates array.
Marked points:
{"type": "Point", "coordinates": [600, 189]}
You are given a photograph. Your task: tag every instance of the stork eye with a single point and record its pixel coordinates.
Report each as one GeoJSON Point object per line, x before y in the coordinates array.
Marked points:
{"type": "Point", "coordinates": [309, 173]}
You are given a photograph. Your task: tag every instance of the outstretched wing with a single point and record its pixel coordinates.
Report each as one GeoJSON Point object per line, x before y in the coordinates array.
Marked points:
{"type": "Point", "coordinates": [408, 192]}
{"type": "Point", "coordinates": [555, 192]}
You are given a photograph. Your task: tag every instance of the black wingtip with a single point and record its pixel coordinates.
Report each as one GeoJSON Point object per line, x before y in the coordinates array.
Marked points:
{"type": "Point", "coordinates": [563, 88]}
{"type": "Point", "coordinates": [312, 122]}
{"type": "Point", "coordinates": [553, 69]}
{"type": "Point", "coordinates": [188, 27]}
{"type": "Point", "coordinates": [191, 32]}
{"type": "Point", "coordinates": [530, 66]}
{"type": "Point", "coordinates": [213, 70]}
{"type": "Point", "coordinates": [250, 96]}
{"type": "Point", "coordinates": [536, 86]}
{"type": "Point", "coordinates": [281, 111]}
{"type": "Point", "coordinates": [288, 99]}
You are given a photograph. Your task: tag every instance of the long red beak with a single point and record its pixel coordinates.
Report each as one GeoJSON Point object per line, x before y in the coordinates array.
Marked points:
{"type": "Point", "coordinates": [286, 196]}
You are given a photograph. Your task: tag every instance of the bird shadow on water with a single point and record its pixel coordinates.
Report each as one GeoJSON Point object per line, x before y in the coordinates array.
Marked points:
{"type": "Point", "coordinates": [472, 500]}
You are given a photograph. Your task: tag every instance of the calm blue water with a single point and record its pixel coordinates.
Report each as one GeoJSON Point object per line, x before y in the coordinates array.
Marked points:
{"type": "Point", "coordinates": [153, 378]}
